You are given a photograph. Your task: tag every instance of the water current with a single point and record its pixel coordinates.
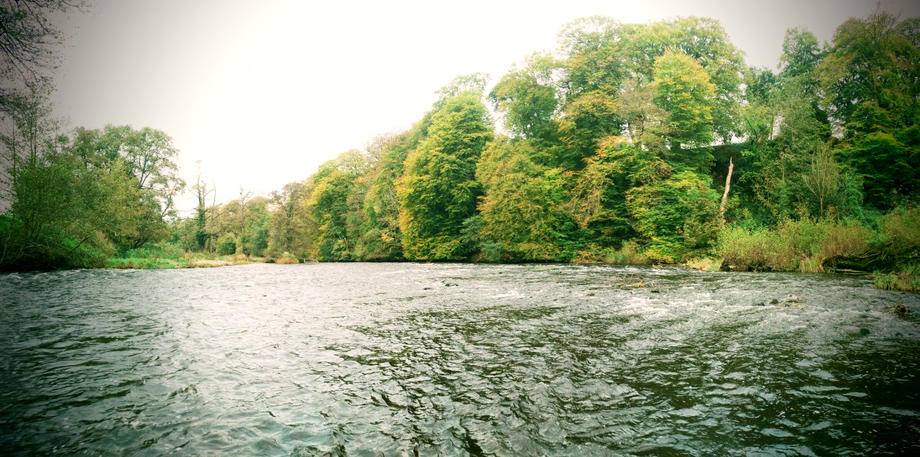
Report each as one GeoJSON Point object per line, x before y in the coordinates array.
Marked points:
{"type": "Point", "coordinates": [419, 359]}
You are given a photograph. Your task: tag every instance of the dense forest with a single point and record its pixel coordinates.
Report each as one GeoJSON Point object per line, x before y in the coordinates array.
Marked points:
{"type": "Point", "coordinates": [631, 143]}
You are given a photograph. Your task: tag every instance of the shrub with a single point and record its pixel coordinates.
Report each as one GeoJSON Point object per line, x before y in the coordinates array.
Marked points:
{"type": "Point", "coordinates": [899, 233]}
{"type": "Point", "coordinates": [628, 254]}
{"type": "Point", "coordinates": [144, 263]}
{"type": "Point", "coordinates": [676, 216]}
{"type": "Point", "coordinates": [286, 259]}
{"type": "Point", "coordinates": [802, 245]}
{"type": "Point", "coordinates": [906, 279]}
{"type": "Point", "coordinates": [593, 254]}
{"type": "Point", "coordinates": [490, 251]}
{"type": "Point", "coordinates": [845, 240]}
{"type": "Point", "coordinates": [705, 264]}
{"type": "Point", "coordinates": [226, 245]}
{"type": "Point", "coordinates": [662, 250]}
{"type": "Point", "coordinates": [811, 264]}
{"type": "Point", "coordinates": [753, 249]}
{"type": "Point", "coordinates": [155, 251]}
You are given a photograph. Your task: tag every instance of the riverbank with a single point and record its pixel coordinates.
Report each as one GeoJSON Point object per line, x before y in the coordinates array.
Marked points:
{"type": "Point", "coordinates": [906, 279]}
{"type": "Point", "coordinates": [156, 263]}
{"type": "Point", "coordinates": [167, 256]}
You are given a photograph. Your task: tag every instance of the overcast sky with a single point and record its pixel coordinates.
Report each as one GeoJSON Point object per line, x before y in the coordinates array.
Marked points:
{"type": "Point", "coordinates": [262, 91]}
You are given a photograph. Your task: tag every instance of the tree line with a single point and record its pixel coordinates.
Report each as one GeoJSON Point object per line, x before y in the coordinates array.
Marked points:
{"type": "Point", "coordinates": [631, 143]}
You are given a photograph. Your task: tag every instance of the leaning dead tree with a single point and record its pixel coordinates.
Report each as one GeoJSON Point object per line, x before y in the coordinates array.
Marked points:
{"type": "Point", "coordinates": [728, 184]}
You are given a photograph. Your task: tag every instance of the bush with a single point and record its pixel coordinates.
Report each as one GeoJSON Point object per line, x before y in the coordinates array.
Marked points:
{"type": "Point", "coordinates": [705, 264]}
{"type": "Point", "coordinates": [906, 279]}
{"type": "Point", "coordinates": [592, 254]}
{"type": "Point", "coordinates": [844, 240]}
{"type": "Point", "coordinates": [675, 217]}
{"type": "Point", "coordinates": [753, 249]}
{"type": "Point", "coordinates": [53, 249]}
{"type": "Point", "coordinates": [664, 250]}
{"type": "Point", "coordinates": [145, 263]}
{"type": "Point", "coordinates": [490, 251]}
{"type": "Point", "coordinates": [811, 264]}
{"type": "Point", "coordinates": [801, 238]}
{"type": "Point", "coordinates": [284, 259]}
{"type": "Point", "coordinates": [226, 244]}
{"type": "Point", "coordinates": [628, 254]}
{"type": "Point", "coordinates": [803, 245]}
{"type": "Point", "coordinates": [155, 251]}
{"type": "Point", "coordinates": [899, 235]}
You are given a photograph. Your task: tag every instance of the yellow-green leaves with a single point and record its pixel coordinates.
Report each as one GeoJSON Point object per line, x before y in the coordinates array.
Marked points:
{"type": "Point", "coordinates": [438, 191]}
{"type": "Point", "coordinates": [522, 209]}
{"type": "Point", "coordinates": [682, 88]}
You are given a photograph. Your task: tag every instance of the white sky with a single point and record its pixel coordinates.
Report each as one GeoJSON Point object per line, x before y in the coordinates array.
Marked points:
{"type": "Point", "coordinates": [263, 91]}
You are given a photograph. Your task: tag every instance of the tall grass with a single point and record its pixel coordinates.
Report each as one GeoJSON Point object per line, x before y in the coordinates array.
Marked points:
{"type": "Point", "coordinates": [805, 245]}
{"type": "Point", "coordinates": [168, 255]}
{"type": "Point", "coordinates": [705, 264]}
{"type": "Point", "coordinates": [628, 254]}
{"type": "Point", "coordinates": [898, 250]}
{"type": "Point", "coordinates": [899, 236]}
{"type": "Point", "coordinates": [151, 256]}
{"type": "Point", "coordinates": [145, 263]}
{"type": "Point", "coordinates": [907, 278]}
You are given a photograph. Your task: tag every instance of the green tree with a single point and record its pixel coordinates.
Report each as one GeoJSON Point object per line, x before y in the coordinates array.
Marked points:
{"type": "Point", "coordinates": [594, 50]}
{"type": "Point", "coordinates": [290, 223]}
{"type": "Point", "coordinates": [438, 190]}
{"type": "Point", "coordinates": [596, 66]}
{"type": "Point", "coordinates": [586, 120]}
{"type": "Point", "coordinates": [801, 54]}
{"type": "Point", "coordinates": [254, 238]}
{"type": "Point", "coordinates": [202, 236]}
{"type": "Point", "coordinates": [675, 216]}
{"type": "Point", "coordinates": [887, 163]}
{"type": "Point", "coordinates": [683, 90]}
{"type": "Point", "coordinates": [149, 153]}
{"type": "Point", "coordinates": [522, 207]}
{"type": "Point", "coordinates": [381, 236]}
{"type": "Point", "coordinates": [704, 40]}
{"type": "Point", "coordinates": [823, 178]}
{"type": "Point", "coordinates": [784, 125]}
{"type": "Point", "coordinates": [149, 157]}
{"type": "Point", "coordinates": [329, 205]}
{"type": "Point", "coordinates": [873, 64]}
{"type": "Point", "coordinates": [527, 97]}
{"type": "Point", "coordinates": [49, 193]}
{"type": "Point", "coordinates": [120, 210]}
{"type": "Point", "coordinates": [599, 197]}
{"type": "Point", "coordinates": [871, 85]}
{"type": "Point", "coordinates": [646, 123]}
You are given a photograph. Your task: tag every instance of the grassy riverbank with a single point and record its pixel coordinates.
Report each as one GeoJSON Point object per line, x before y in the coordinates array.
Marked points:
{"type": "Point", "coordinates": [166, 256]}
{"type": "Point", "coordinates": [831, 247]}
{"type": "Point", "coordinates": [891, 250]}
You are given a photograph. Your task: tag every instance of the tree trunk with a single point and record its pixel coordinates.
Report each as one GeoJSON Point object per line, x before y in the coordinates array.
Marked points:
{"type": "Point", "coordinates": [728, 184]}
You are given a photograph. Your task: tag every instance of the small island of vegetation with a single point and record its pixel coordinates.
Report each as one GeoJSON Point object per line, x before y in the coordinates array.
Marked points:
{"type": "Point", "coordinates": [632, 144]}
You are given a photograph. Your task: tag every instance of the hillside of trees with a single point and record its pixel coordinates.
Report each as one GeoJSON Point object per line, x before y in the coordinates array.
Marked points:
{"type": "Point", "coordinates": [632, 143]}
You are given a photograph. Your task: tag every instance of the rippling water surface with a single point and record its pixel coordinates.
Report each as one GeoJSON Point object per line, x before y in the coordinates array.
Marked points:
{"type": "Point", "coordinates": [410, 359]}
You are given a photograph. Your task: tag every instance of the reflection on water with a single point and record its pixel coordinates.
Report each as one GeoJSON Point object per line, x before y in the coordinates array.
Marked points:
{"type": "Point", "coordinates": [409, 359]}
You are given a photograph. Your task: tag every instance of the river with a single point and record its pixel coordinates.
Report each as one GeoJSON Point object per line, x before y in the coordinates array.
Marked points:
{"type": "Point", "coordinates": [451, 359]}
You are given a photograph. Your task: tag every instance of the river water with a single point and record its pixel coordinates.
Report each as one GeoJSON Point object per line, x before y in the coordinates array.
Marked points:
{"type": "Point", "coordinates": [420, 359]}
